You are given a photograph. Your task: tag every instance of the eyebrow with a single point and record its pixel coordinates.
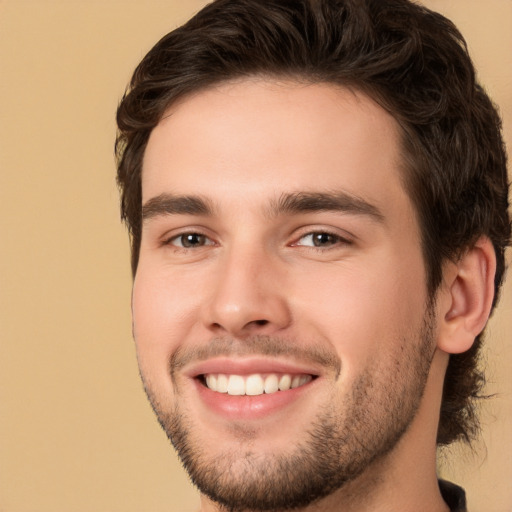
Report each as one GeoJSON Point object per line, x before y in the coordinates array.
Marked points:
{"type": "Point", "coordinates": [337, 201]}
{"type": "Point", "coordinates": [170, 204]}
{"type": "Point", "coordinates": [286, 204]}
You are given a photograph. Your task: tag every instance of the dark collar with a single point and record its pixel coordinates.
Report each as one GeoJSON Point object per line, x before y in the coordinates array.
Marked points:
{"type": "Point", "coordinates": [453, 495]}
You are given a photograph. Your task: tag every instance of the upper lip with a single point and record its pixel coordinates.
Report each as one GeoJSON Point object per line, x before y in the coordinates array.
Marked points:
{"type": "Point", "coordinates": [250, 365]}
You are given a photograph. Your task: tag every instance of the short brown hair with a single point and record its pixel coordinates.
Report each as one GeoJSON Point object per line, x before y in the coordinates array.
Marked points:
{"type": "Point", "coordinates": [412, 61]}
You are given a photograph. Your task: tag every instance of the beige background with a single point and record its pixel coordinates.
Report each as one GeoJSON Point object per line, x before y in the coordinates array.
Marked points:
{"type": "Point", "coordinates": [76, 433]}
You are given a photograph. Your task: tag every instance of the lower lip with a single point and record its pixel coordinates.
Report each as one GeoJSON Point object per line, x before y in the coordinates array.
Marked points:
{"type": "Point", "coordinates": [249, 407]}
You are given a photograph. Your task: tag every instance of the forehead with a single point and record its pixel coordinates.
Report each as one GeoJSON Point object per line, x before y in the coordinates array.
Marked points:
{"type": "Point", "coordinates": [253, 138]}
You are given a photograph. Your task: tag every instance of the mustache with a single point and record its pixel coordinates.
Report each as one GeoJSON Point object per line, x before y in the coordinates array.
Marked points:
{"type": "Point", "coordinates": [259, 345]}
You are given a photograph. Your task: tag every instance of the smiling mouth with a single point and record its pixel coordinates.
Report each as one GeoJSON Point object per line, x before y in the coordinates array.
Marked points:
{"type": "Point", "coordinates": [255, 384]}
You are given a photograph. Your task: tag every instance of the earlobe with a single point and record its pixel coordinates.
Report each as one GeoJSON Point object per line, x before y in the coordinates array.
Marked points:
{"type": "Point", "coordinates": [466, 297]}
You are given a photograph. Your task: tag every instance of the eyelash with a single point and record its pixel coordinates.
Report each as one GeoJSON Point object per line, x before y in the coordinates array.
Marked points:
{"type": "Point", "coordinates": [337, 240]}
{"type": "Point", "coordinates": [170, 240]}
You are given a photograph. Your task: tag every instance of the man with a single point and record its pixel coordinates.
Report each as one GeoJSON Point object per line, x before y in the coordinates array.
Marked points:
{"type": "Point", "coordinates": [316, 193]}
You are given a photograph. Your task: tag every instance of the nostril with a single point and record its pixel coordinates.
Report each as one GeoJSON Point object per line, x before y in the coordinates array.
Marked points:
{"type": "Point", "coordinates": [261, 322]}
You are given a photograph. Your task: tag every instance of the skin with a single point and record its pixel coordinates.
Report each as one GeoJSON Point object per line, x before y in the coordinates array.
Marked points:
{"type": "Point", "coordinates": [254, 274]}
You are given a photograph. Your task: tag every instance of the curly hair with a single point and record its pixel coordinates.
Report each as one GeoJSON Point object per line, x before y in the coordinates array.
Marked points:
{"type": "Point", "coordinates": [412, 61]}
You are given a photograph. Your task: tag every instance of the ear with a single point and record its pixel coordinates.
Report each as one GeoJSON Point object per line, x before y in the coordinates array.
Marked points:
{"type": "Point", "coordinates": [465, 298]}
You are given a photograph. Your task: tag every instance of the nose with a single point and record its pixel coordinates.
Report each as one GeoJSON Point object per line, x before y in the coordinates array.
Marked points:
{"type": "Point", "coordinates": [248, 296]}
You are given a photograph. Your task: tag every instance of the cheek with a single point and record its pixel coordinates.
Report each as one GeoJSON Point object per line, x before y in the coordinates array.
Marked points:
{"type": "Point", "coordinates": [363, 312]}
{"type": "Point", "coordinates": [163, 310]}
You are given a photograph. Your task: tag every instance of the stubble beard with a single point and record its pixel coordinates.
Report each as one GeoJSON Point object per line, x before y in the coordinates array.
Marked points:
{"type": "Point", "coordinates": [345, 439]}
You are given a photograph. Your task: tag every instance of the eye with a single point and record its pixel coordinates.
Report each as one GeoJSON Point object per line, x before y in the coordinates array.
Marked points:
{"type": "Point", "coordinates": [321, 239]}
{"type": "Point", "coordinates": [190, 240]}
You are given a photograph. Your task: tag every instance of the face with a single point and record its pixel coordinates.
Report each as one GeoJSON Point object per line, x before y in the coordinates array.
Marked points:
{"type": "Point", "coordinates": [279, 304]}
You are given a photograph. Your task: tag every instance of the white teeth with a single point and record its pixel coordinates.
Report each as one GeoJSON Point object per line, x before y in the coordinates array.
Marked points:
{"type": "Point", "coordinates": [304, 380]}
{"type": "Point", "coordinates": [211, 382]}
{"type": "Point", "coordinates": [236, 385]}
{"type": "Point", "coordinates": [285, 383]}
{"type": "Point", "coordinates": [271, 384]}
{"type": "Point", "coordinates": [222, 383]}
{"type": "Point", "coordinates": [300, 380]}
{"type": "Point", "coordinates": [254, 385]}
